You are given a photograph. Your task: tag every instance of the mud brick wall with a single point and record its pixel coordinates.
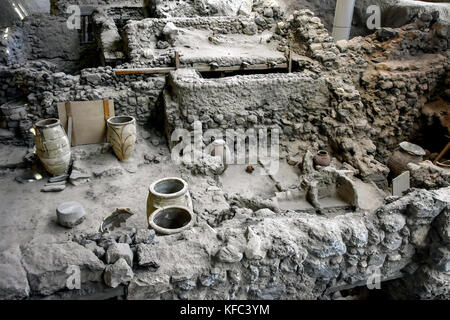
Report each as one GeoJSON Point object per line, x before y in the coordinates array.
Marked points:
{"type": "Point", "coordinates": [285, 101]}
{"type": "Point", "coordinates": [138, 34]}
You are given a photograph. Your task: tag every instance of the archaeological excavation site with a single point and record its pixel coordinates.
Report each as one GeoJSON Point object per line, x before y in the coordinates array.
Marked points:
{"type": "Point", "coordinates": [224, 150]}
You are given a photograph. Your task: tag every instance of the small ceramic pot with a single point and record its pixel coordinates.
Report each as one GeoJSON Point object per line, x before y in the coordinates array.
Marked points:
{"type": "Point", "coordinates": [122, 135]}
{"type": "Point", "coordinates": [219, 148]}
{"type": "Point", "coordinates": [167, 192]}
{"type": "Point", "coordinates": [70, 214]}
{"type": "Point", "coordinates": [172, 219]}
{"type": "Point", "coordinates": [404, 154]}
{"type": "Point", "coordinates": [52, 146]}
{"type": "Point", "coordinates": [322, 158]}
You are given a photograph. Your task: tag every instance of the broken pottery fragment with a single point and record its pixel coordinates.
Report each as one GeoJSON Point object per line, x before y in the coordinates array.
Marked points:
{"type": "Point", "coordinates": [54, 187]}
{"type": "Point", "coordinates": [115, 219]}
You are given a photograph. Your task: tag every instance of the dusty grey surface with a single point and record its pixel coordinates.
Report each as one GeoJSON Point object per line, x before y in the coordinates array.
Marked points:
{"type": "Point", "coordinates": [26, 212]}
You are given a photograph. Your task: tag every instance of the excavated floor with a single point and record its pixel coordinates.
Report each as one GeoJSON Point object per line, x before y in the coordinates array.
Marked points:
{"type": "Point", "coordinates": [194, 47]}
{"type": "Point", "coordinates": [28, 213]}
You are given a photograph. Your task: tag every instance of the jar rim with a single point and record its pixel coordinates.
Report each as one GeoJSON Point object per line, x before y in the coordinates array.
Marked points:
{"type": "Point", "coordinates": [167, 231]}
{"type": "Point", "coordinates": [121, 120]}
{"type": "Point", "coordinates": [184, 189]}
{"type": "Point", "coordinates": [48, 123]}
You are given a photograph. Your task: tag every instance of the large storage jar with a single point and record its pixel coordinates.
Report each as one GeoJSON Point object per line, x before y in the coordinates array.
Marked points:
{"type": "Point", "coordinates": [52, 146]}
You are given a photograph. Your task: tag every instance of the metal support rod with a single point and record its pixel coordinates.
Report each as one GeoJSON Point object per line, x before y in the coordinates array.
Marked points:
{"type": "Point", "coordinates": [442, 154]}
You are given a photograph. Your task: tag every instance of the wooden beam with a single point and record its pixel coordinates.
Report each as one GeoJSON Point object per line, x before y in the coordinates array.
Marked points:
{"type": "Point", "coordinates": [289, 61]}
{"type": "Point", "coordinates": [200, 68]}
{"type": "Point", "coordinates": [69, 121]}
{"type": "Point", "coordinates": [144, 71]}
{"type": "Point", "coordinates": [177, 60]}
{"type": "Point", "coordinates": [106, 113]}
{"type": "Point", "coordinates": [207, 68]}
{"type": "Point", "coordinates": [442, 154]}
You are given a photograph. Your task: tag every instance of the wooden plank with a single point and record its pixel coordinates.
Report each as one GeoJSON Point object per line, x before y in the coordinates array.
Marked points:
{"type": "Point", "coordinates": [400, 184]}
{"type": "Point", "coordinates": [207, 68]}
{"type": "Point", "coordinates": [200, 68]}
{"type": "Point", "coordinates": [88, 120]}
{"type": "Point", "coordinates": [177, 60]}
{"type": "Point", "coordinates": [106, 112]}
{"type": "Point", "coordinates": [69, 129]}
{"type": "Point", "coordinates": [106, 109]}
{"type": "Point", "coordinates": [69, 121]}
{"type": "Point", "coordinates": [443, 152]}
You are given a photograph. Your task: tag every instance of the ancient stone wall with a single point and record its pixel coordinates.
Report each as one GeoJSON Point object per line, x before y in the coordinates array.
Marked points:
{"type": "Point", "coordinates": [431, 276]}
{"type": "Point", "coordinates": [12, 49]}
{"type": "Point", "coordinates": [428, 176]}
{"type": "Point", "coordinates": [252, 255]}
{"type": "Point", "coordinates": [320, 107]}
{"type": "Point", "coordinates": [402, 88]}
{"type": "Point", "coordinates": [393, 13]}
{"type": "Point", "coordinates": [269, 9]}
{"type": "Point", "coordinates": [59, 7]}
{"type": "Point", "coordinates": [47, 37]}
{"type": "Point", "coordinates": [41, 36]}
{"type": "Point", "coordinates": [360, 97]}
{"type": "Point", "coordinates": [380, 82]}
{"type": "Point", "coordinates": [405, 69]}
{"type": "Point", "coordinates": [280, 100]}
{"type": "Point", "coordinates": [39, 87]}
{"type": "Point", "coordinates": [143, 36]}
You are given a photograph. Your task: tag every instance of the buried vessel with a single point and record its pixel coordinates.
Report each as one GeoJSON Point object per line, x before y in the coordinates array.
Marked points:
{"type": "Point", "coordinates": [52, 146]}
{"type": "Point", "coordinates": [168, 192]}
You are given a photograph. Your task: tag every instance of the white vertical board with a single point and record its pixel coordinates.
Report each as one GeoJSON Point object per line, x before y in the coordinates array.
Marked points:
{"type": "Point", "coordinates": [400, 184]}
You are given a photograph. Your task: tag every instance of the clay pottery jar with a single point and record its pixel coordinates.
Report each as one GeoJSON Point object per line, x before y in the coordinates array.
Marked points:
{"type": "Point", "coordinates": [171, 219]}
{"type": "Point", "coordinates": [11, 112]}
{"type": "Point", "coordinates": [122, 135]}
{"type": "Point", "coordinates": [219, 148]}
{"type": "Point", "coordinates": [52, 146]}
{"type": "Point", "coordinates": [404, 154]}
{"type": "Point", "coordinates": [168, 192]}
{"type": "Point", "coordinates": [322, 158]}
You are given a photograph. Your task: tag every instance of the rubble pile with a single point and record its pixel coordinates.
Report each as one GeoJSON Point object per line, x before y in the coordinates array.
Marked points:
{"type": "Point", "coordinates": [246, 257]}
